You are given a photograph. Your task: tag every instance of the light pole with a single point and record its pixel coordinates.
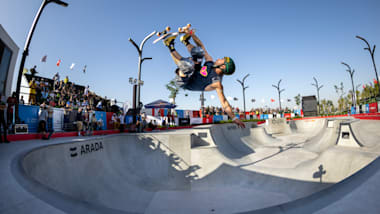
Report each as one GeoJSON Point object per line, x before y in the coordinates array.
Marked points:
{"type": "Point", "coordinates": [26, 47]}
{"type": "Point", "coordinates": [351, 72]}
{"type": "Point", "coordinates": [244, 87]}
{"type": "Point", "coordinates": [279, 92]}
{"type": "Point", "coordinates": [141, 60]}
{"type": "Point", "coordinates": [318, 88]}
{"type": "Point", "coordinates": [372, 52]}
{"type": "Point", "coordinates": [135, 83]}
{"type": "Point", "coordinates": [202, 99]}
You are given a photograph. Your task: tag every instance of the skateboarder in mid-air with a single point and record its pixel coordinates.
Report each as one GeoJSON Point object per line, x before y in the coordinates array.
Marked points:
{"type": "Point", "coordinates": [192, 76]}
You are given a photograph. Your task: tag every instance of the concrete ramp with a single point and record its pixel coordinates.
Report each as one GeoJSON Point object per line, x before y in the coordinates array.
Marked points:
{"type": "Point", "coordinates": [347, 137]}
{"type": "Point", "coordinates": [239, 170]}
{"type": "Point", "coordinates": [277, 126]}
{"type": "Point", "coordinates": [155, 173]}
{"type": "Point", "coordinates": [355, 194]}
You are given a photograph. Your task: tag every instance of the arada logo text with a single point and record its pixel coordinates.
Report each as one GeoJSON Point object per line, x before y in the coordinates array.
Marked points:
{"type": "Point", "coordinates": [86, 149]}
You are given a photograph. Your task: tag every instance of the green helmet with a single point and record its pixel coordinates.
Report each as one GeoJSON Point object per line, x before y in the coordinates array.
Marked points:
{"type": "Point", "coordinates": [230, 66]}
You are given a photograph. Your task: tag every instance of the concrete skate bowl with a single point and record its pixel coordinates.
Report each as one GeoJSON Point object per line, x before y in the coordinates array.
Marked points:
{"type": "Point", "coordinates": [161, 173]}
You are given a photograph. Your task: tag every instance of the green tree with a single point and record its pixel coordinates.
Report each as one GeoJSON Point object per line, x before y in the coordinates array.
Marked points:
{"type": "Point", "coordinates": [323, 106]}
{"type": "Point", "coordinates": [173, 88]}
{"type": "Point", "coordinates": [330, 106]}
{"type": "Point", "coordinates": [341, 100]}
{"type": "Point", "coordinates": [298, 99]}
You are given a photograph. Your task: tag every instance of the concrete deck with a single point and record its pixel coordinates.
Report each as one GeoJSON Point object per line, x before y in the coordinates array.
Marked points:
{"type": "Point", "coordinates": [303, 166]}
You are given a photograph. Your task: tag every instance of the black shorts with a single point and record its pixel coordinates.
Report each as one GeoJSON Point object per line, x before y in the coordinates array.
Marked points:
{"type": "Point", "coordinates": [42, 126]}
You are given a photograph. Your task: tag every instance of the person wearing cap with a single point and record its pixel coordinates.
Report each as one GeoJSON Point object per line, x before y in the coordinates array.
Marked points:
{"type": "Point", "coordinates": [207, 78]}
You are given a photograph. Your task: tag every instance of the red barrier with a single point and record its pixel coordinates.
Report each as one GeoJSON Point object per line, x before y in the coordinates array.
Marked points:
{"type": "Point", "coordinates": [260, 122]}
{"type": "Point", "coordinates": [207, 119]}
{"type": "Point", "coordinates": [196, 114]}
{"type": "Point", "coordinates": [109, 120]}
{"type": "Point", "coordinates": [373, 107]}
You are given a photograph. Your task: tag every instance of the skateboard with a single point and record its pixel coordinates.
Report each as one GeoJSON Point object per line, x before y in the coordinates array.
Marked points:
{"type": "Point", "coordinates": [166, 33]}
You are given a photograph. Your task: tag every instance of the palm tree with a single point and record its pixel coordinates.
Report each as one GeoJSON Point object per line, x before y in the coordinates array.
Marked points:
{"type": "Point", "coordinates": [330, 105]}
{"type": "Point", "coordinates": [340, 92]}
{"type": "Point", "coordinates": [318, 87]}
{"type": "Point", "coordinates": [298, 99]}
{"type": "Point", "coordinates": [357, 94]}
{"type": "Point", "coordinates": [323, 106]}
{"type": "Point", "coordinates": [173, 88]}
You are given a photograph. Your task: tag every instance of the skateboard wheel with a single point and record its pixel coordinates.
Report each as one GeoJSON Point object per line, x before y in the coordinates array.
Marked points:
{"type": "Point", "coordinates": [158, 34]}
{"type": "Point", "coordinates": [167, 28]}
{"type": "Point", "coordinates": [188, 25]}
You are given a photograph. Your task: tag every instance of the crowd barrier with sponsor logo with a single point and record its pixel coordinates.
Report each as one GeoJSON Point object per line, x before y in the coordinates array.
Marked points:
{"type": "Point", "coordinates": [64, 120]}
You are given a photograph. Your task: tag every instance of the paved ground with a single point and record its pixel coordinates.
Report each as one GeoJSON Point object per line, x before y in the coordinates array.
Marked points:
{"type": "Point", "coordinates": [276, 168]}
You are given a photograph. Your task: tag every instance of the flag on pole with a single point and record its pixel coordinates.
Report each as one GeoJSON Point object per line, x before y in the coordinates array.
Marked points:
{"type": "Point", "coordinates": [272, 100]}
{"type": "Point", "coordinates": [84, 69]}
{"type": "Point", "coordinates": [374, 81]}
{"type": "Point", "coordinates": [59, 62]}
{"type": "Point", "coordinates": [43, 59]}
{"type": "Point", "coordinates": [72, 66]}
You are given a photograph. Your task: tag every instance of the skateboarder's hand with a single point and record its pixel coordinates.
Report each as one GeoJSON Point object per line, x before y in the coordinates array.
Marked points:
{"type": "Point", "coordinates": [239, 123]}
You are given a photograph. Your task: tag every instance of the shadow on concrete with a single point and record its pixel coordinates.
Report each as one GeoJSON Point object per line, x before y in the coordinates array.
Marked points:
{"type": "Point", "coordinates": [362, 183]}
{"type": "Point", "coordinates": [187, 170]}
{"type": "Point", "coordinates": [228, 139]}
{"type": "Point", "coordinates": [281, 150]}
{"type": "Point", "coordinates": [319, 173]}
{"type": "Point", "coordinates": [196, 140]}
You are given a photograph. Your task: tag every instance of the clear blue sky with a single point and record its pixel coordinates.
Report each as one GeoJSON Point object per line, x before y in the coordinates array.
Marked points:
{"type": "Point", "coordinates": [270, 40]}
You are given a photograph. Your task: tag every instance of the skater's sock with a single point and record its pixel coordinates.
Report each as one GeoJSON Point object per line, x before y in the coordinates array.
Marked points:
{"type": "Point", "coordinates": [171, 47]}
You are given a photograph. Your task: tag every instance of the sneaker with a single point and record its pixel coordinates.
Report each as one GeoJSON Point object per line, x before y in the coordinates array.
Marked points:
{"type": "Point", "coordinates": [185, 38]}
{"type": "Point", "coordinates": [170, 40]}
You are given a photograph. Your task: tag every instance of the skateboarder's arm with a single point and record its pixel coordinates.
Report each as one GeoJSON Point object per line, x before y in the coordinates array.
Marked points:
{"type": "Point", "coordinates": [225, 104]}
{"type": "Point", "coordinates": [200, 44]}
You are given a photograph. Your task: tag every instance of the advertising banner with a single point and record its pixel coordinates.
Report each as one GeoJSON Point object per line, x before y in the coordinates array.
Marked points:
{"type": "Point", "coordinates": [207, 119]}
{"type": "Point", "coordinates": [165, 112]}
{"type": "Point", "coordinates": [363, 109]}
{"type": "Point", "coordinates": [129, 119]}
{"type": "Point", "coordinates": [109, 120]}
{"type": "Point", "coordinates": [180, 113]}
{"type": "Point", "coordinates": [366, 108]}
{"type": "Point", "coordinates": [195, 120]}
{"type": "Point", "coordinates": [58, 116]}
{"type": "Point", "coordinates": [29, 115]}
{"type": "Point", "coordinates": [101, 116]}
{"type": "Point", "coordinates": [353, 110]}
{"type": "Point", "coordinates": [196, 114]}
{"type": "Point", "coordinates": [372, 107]}
{"type": "Point", "coordinates": [218, 118]}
